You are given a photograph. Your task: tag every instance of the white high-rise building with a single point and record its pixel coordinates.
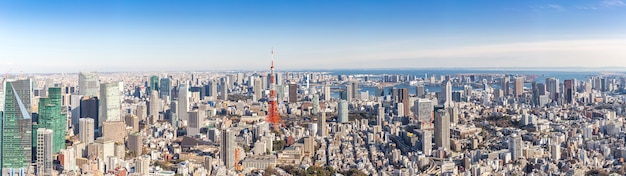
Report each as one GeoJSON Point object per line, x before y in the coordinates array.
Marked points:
{"type": "Point", "coordinates": [44, 151]}
{"type": "Point", "coordinates": [196, 120]}
{"type": "Point", "coordinates": [227, 148]}
{"type": "Point", "coordinates": [88, 84]}
{"type": "Point", "coordinates": [110, 109]}
{"type": "Point", "coordinates": [447, 93]}
{"type": "Point", "coordinates": [86, 130]}
{"type": "Point", "coordinates": [155, 106]}
{"type": "Point", "coordinates": [142, 165]}
{"type": "Point", "coordinates": [183, 101]}
{"type": "Point", "coordinates": [327, 92]}
{"type": "Point", "coordinates": [515, 146]}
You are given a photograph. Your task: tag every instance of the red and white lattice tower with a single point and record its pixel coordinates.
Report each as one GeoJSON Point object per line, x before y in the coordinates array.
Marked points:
{"type": "Point", "coordinates": [272, 116]}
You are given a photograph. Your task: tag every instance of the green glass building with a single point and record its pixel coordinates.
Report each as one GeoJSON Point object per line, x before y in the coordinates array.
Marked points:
{"type": "Point", "coordinates": [16, 126]}
{"type": "Point", "coordinates": [50, 117]}
{"type": "Point", "coordinates": [154, 83]}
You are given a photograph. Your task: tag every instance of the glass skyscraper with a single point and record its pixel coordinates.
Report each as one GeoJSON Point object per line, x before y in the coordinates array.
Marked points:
{"type": "Point", "coordinates": [16, 133]}
{"type": "Point", "coordinates": [50, 117]}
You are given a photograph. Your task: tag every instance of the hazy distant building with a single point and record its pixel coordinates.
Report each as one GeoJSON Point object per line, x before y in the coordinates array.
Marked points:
{"type": "Point", "coordinates": [442, 129]}
{"type": "Point", "coordinates": [569, 91]}
{"type": "Point", "coordinates": [519, 86]}
{"type": "Point", "coordinates": [327, 94]}
{"type": "Point", "coordinates": [504, 85]}
{"type": "Point", "coordinates": [154, 84]}
{"type": "Point", "coordinates": [110, 109]}
{"type": "Point", "coordinates": [196, 120]}
{"type": "Point", "coordinates": [420, 91]}
{"type": "Point", "coordinates": [316, 104]}
{"type": "Point", "coordinates": [154, 107]}
{"type": "Point", "coordinates": [321, 124]}
{"type": "Point", "coordinates": [446, 91]}
{"type": "Point", "coordinates": [424, 112]}
{"type": "Point", "coordinates": [342, 115]}
{"type": "Point", "coordinates": [132, 121]}
{"type": "Point", "coordinates": [88, 84]}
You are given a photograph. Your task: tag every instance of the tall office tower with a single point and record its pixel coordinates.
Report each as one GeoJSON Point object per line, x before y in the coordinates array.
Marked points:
{"type": "Point", "coordinates": [316, 104]}
{"type": "Point", "coordinates": [50, 117]}
{"type": "Point", "coordinates": [424, 112]}
{"type": "Point", "coordinates": [224, 89]}
{"type": "Point", "coordinates": [402, 96]}
{"type": "Point", "coordinates": [154, 83]}
{"type": "Point", "coordinates": [165, 87]}
{"type": "Point", "coordinates": [154, 106]}
{"type": "Point", "coordinates": [240, 79]}
{"type": "Point", "coordinates": [141, 111]}
{"type": "Point", "coordinates": [86, 133]}
{"type": "Point", "coordinates": [44, 151]}
{"type": "Point", "coordinates": [427, 141]}
{"type": "Point", "coordinates": [174, 114]}
{"type": "Point", "coordinates": [420, 92]}
{"type": "Point", "coordinates": [88, 84]}
{"type": "Point", "coordinates": [195, 122]}
{"type": "Point", "coordinates": [293, 93]}
{"type": "Point", "coordinates": [321, 124]}
{"type": "Point", "coordinates": [74, 110]}
{"type": "Point", "coordinates": [504, 84]}
{"type": "Point", "coordinates": [342, 115]}
{"type": "Point", "coordinates": [354, 89]}
{"type": "Point", "coordinates": [400, 109]}
{"type": "Point", "coordinates": [348, 93]}
{"type": "Point", "coordinates": [110, 109]}
{"type": "Point", "coordinates": [535, 91]}
{"type": "Point", "coordinates": [442, 129]}
{"type": "Point", "coordinates": [327, 94]}
{"type": "Point", "coordinates": [515, 146]}
{"type": "Point", "coordinates": [89, 107]}
{"type": "Point", "coordinates": [519, 86]}
{"type": "Point", "coordinates": [257, 89]}
{"type": "Point", "coordinates": [381, 115]}
{"type": "Point", "coordinates": [183, 101]}
{"type": "Point", "coordinates": [16, 133]}
{"type": "Point", "coordinates": [213, 90]}
{"type": "Point", "coordinates": [114, 130]}
{"type": "Point", "coordinates": [569, 90]}
{"type": "Point", "coordinates": [135, 143]}
{"type": "Point", "coordinates": [227, 148]}
{"type": "Point", "coordinates": [552, 86]}
{"type": "Point", "coordinates": [132, 121]}
{"type": "Point", "coordinates": [446, 91]}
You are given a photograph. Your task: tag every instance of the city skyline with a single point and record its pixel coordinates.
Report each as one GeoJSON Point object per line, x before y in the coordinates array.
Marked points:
{"type": "Point", "coordinates": [112, 36]}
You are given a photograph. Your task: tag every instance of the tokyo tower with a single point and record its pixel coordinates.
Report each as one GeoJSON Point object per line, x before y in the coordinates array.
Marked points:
{"type": "Point", "coordinates": [272, 115]}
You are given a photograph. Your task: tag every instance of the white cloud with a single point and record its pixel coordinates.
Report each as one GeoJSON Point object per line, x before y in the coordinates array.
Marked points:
{"type": "Point", "coordinates": [612, 3]}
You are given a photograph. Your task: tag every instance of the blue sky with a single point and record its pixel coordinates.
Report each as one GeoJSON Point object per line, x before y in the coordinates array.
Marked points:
{"type": "Point", "coordinates": [142, 35]}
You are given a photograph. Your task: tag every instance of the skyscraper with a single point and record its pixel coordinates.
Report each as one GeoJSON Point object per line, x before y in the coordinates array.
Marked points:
{"type": "Point", "coordinates": [224, 89]}
{"type": "Point", "coordinates": [155, 107]}
{"type": "Point", "coordinates": [424, 112]}
{"type": "Point", "coordinates": [321, 124]}
{"type": "Point", "coordinates": [257, 89]}
{"type": "Point", "coordinates": [519, 86]}
{"type": "Point", "coordinates": [349, 92]}
{"type": "Point", "coordinates": [16, 133]}
{"type": "Point", "coordinates": [316, 104]}
{"type": "Point", "coordinates": [420, 91]}
{"type": "Point", "coordinates": [402, 97]}
{"type": "Point", "coordinates": [50, 117]}
{"type": "Point", "coordinates": [135, 143]}
{"type": "Point", "coordinates": [183, 100]}
{"type": "Point", "coordinates": [86, 130]}
{"type": "Point", "coordinates": [327, 95]}
{"type": "Point", "coordinates": [44, 151]}
{"type": "Point", "coordinates": [154, 83]}
{"type": "Point", "coordinates": [515, 146]}
{"type": "Point", "coordinates": [88, 84]}
{"type": "Point", "coordinates": [569, 90]}
{"type": "Point", "coordinates": [342, 115]}
{"type": "Point", "coordinates": [446, 90]}
{"type": "Point", "coordinates": [354, 89]}
{"type": "Point", "coordinates": [442, 129]}
{"type": "Point", "coordinates": [227, 148]}
{"type": "Point", "coordinates": [504, 84]}
{"type": "Point", "coordinates": [165, 87]}
{"type": "Point", "coordinates": [552, 86]}
{"type": "Point", "coordinates": [89, 107]}
{"type": "Point", "coordinates": [110, 109]}
{"type": "Point", "coordinates": [293, 93]}
{"type": "Point", "coordinates": [196, 120]}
